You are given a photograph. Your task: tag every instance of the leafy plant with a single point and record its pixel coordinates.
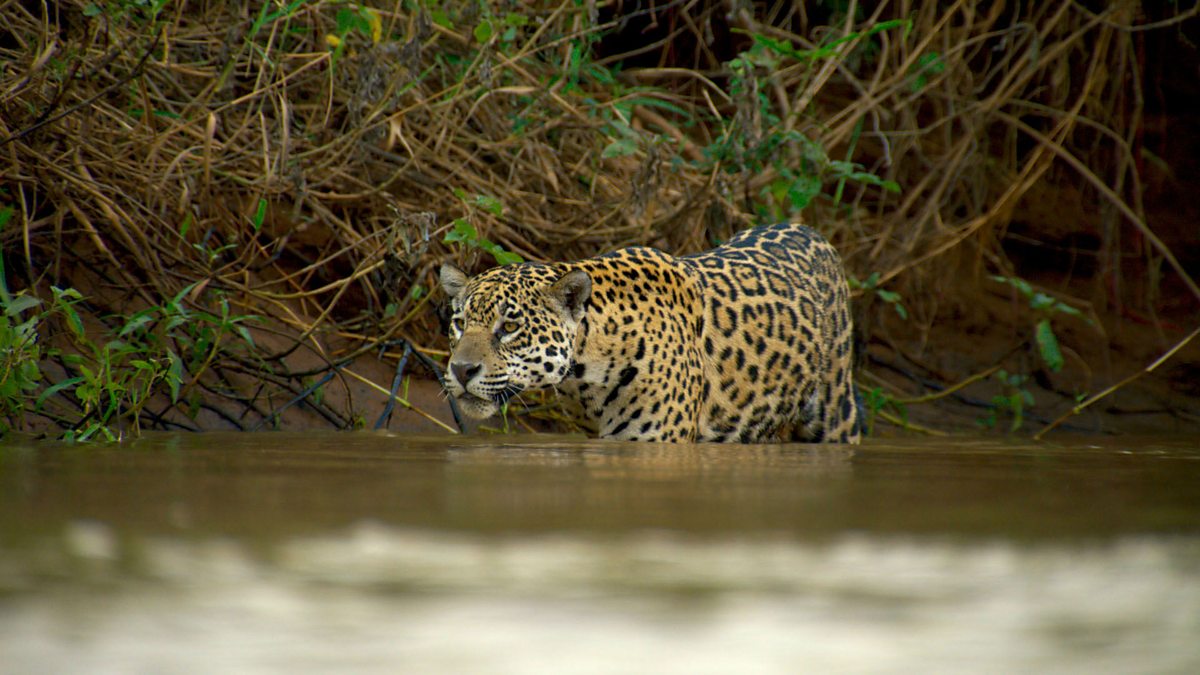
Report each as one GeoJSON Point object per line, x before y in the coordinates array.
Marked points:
{"type": "Point", "coordinates": [113, 378]}
{"type": "Point", "coordinates": [20, 353]}
{"type": "Point", "coordinates": [758, 138]}
{"type": "Point", "coordinates": [1011, 402]}
{"type": "Point", "coordinates": [1047, 308]}
{"type": "Point", "coordinates": [877, 401]}
{"type": "Point", "coordinates": [927, 65]}
{"type": "Point", "coordinates": [462, 231]}
{"type": "Point", "coordinates": [871, 283]}
{"type": "Point", "coordinates": [350, 19]}
{"type": "Point", "coordinates": [138, 10]}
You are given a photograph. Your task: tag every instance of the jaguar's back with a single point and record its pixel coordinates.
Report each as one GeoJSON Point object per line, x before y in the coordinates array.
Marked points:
{"type": "Point", "coordinates": [777, 337]}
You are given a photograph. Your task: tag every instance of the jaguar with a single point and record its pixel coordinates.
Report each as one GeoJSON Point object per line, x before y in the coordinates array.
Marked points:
{"type": "Point", "coordinates": [751, 341]}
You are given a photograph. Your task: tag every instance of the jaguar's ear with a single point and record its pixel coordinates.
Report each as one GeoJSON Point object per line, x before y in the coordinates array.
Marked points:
{"type": "Point", "coordinates": [453, 279]}
{"type": "Point", "coordinates": [572, 291]}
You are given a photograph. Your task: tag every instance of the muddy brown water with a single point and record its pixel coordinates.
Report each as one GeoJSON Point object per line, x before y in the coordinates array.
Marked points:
{"type": "Point", "coordinates": [360, 552]}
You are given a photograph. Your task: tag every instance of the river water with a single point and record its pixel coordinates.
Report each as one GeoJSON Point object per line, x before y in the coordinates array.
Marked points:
{"type": "Point", "coordinates": [359, 552]}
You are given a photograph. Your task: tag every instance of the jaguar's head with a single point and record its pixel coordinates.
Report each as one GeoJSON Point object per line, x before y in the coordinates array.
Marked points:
{"type": "Point", "coordinates": [512, 329]}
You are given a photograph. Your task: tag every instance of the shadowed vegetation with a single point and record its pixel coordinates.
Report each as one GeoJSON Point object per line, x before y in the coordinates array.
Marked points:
{"type": "Point", "coordinates": [253, 199]}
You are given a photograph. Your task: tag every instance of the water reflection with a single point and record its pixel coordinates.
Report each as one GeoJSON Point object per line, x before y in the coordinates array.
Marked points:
{"type": "Point", "coordinates": [369, 552]}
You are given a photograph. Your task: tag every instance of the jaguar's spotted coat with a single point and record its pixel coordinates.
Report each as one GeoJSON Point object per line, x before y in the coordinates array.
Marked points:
{"type": "Point", "coordinates": [735, 344]}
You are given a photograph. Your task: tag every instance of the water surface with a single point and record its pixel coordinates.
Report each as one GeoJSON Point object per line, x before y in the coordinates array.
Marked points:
{"type": "Point", "coordinates": [382, 553]}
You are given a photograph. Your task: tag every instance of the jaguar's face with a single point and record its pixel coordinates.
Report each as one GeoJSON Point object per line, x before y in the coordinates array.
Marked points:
{"type": "Point", "coordinates": [511, 329]}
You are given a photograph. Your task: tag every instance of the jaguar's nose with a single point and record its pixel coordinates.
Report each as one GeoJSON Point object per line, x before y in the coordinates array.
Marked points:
{"type": "Point", "coordinates": [464, 372]}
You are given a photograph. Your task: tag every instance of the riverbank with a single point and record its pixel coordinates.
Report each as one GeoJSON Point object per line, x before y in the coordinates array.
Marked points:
{"type": "Point", "coordinates": [214, 216]}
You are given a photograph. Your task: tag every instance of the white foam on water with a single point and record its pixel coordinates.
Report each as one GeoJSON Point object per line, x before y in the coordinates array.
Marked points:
{"type": "Point", "coordinates": [386, 599]}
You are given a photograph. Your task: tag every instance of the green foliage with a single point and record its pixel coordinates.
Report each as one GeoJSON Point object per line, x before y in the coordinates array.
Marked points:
{"type": "Point", "coordinates": [801, 166]}
{"type": "Point", "coordinates": [260, 215]}
{"type": "Point", "coordinates": [876, 400]}
{"type": "Point", "coordinates": [349, 20]}
{"type": "Point", "coordinates": [1047, 344]}
{"type": "Point", "coordinates": [758, 138]}
{"type": "Point", "coordinates": [1011, 402]}
{"type": "Point", "coordinates": [137, 10]}
{"type": "Point", "coordinates": [19, 354]}
{"type": "Point", "coordinates": [463, 232]}
{"type": "Point", "coordinates": [828, 49]}
{"type": "Point", "coordinates": [353, 18]}
{"type": "Point", "coordinates": [871, 283]}
{"type": "Point", "coordinates": [1046, 308]}
{"type": "Point", "coordinates": [927, 65]}
{"type": "Point", "coordinates": [504, 418]}
{"type": "Point", "coordinates": [110, 379]}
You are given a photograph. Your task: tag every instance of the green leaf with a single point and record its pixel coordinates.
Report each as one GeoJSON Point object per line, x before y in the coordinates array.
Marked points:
{"type": "Point", "coordinates": [273, 16]}
{"type": "Point", "coordinates": [244, 333]}
{"type": "Point", "coordinates": [20, 304]}
{"type": "Point", "coordinates": [6, 213]}
{"type": "Point", "coordinates": [73, 320]}
{"type": "Point", "coordinates": [621, 147]}
{"type": "Point", "coordinates": [9, 389]}
{"type": "Point", "coordinates": [875, 399]}
{"type": "Point", "coordinates": [1047, 344]}
{"type": "Point", "coordinates": [1041, 301]}
{"type": "Point", "coordinates": [490, 204]}
{"type": "Point", "coordinates": [136, 322]}
{"type": "Point", "coordinates": [29, 374]}
{"type": "Point", "coordinates": [1021, 285]}
{"type": "Point", "coordinates": [573, 64]}
{"type": "Point", "coordinates": [506, 257]}
{"type": "Point", "coordinates": [802, 191]}
{"type": "Point", "coordinates": [621, 127]}
{"type": "Point", "coordinates": [463, 231]}
{"type": "Point", "coordinates": [780, 47]}
{"type": "Point", "coordinates": [441, 18]}
{"type": "Point", "coordinates": [657, 103]}
{"type": "Point", "coordinates": [871, 179]}
{"type": "Point", "coordinates": [174, 304]}
{"type": "Point", "coordinates": [926, 65]}
{"type": "Point", "coordinates": [351, 19]}
{"type": "Point", "coordinates": [174, 374]}
{"type": "Point", "coordinates": [600, 74]}
{"type": "Point", "coordinates": [259, 215]}
{"type": "Point", "coordinates": [119, 347]}
{"type": "Point", "coordinates": [1064, 308]}
{"type": "Point", "coordinates": [27, 330]}
{"type": "Point", "coordinates": [483, 31]}
{"type": "Point", "coordinates": [68, 293]}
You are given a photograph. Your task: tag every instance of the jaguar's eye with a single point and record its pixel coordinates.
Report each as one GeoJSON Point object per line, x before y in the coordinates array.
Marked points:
{"type": "Point", "coordinates": [457, 324]}
{"type": "Point", "coordinates": [509, 327]}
